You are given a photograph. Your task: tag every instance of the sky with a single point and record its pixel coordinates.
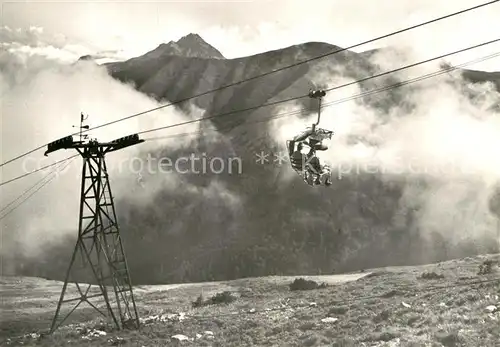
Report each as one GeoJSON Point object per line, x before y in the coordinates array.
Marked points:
{"type": "Point", "coordinates": [124, 29]}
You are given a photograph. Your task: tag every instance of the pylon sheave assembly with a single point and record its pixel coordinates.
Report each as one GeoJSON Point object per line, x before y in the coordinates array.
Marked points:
{"type": "Point", "coordinates": [98, 267]}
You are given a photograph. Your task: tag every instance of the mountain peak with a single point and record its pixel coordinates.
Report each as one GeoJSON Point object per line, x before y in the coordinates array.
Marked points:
{"type": "Point", "coordinates": [191, 38]}
{"type": "Point", "coordinates": [191, 45]}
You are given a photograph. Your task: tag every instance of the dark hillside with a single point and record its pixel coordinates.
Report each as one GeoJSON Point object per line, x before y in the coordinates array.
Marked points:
{"type": "Point", "coordinates": [280, 228]}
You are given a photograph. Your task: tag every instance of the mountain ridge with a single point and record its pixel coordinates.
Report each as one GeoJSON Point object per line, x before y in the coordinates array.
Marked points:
{"type": "Point", "coordinates": [285, 227]}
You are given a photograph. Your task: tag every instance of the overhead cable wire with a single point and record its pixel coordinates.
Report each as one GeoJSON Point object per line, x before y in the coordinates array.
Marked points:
{"type": "Point", "coordinates": [37, 170]}
{"type": "Point", "coordinates": [300, 63]}
{"type": "Point", "coordinates": [414, 64]}
{"type": "Point", "coordinates": [302, 111]}
{"type": "Point", "coordinates": [339, 101]}
{"type": "Point", "coordinates": [329, 89]}
{"type": "Point", "coordinates": [271, 72]}
{"type": "Point", "coordinates": [25, 192]}
{"type": "Point", "coordinates": [62, 167]}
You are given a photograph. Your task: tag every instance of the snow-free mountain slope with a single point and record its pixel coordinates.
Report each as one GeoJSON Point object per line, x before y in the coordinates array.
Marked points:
{"type": "Point", "coordinates": [284, 227]}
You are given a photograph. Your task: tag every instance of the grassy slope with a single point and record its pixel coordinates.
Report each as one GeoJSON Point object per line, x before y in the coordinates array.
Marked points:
{"type": "Point", "coordinates": [390, 307]}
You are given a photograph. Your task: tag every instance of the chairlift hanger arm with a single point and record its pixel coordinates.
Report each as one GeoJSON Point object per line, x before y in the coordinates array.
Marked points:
{"type": "Point", "coordinates": [317, 94]}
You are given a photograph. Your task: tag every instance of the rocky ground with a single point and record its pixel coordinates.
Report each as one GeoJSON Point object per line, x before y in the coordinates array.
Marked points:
{"type": "Point", "coordinates": [454, 303]}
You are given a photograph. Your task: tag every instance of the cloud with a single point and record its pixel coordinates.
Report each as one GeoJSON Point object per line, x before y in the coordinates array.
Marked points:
{"type": "Point", "coordinates": [239, 28]}
{"type": "Point", "coordinates": [443, 130]}
{"type": "Point", "coordinates": [34, 43]}
{"type": "Point", "coordinates": [350, 23]}
{"type": "Point", "coordinates": [42, 99]}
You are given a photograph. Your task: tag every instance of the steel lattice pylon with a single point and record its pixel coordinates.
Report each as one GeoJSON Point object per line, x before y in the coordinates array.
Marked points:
{"type": "Point", "coordinates": [99, 249]}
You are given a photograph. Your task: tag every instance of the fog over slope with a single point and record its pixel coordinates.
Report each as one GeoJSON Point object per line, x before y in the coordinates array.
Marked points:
{"type": "Point", "coordinates": [415, 166]}
{"type": "Point", "coordinates": [44, 90]}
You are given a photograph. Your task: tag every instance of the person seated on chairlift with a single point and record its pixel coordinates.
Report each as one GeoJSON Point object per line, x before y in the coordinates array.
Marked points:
{"type": "Point", "coordinates": [298, 159]}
